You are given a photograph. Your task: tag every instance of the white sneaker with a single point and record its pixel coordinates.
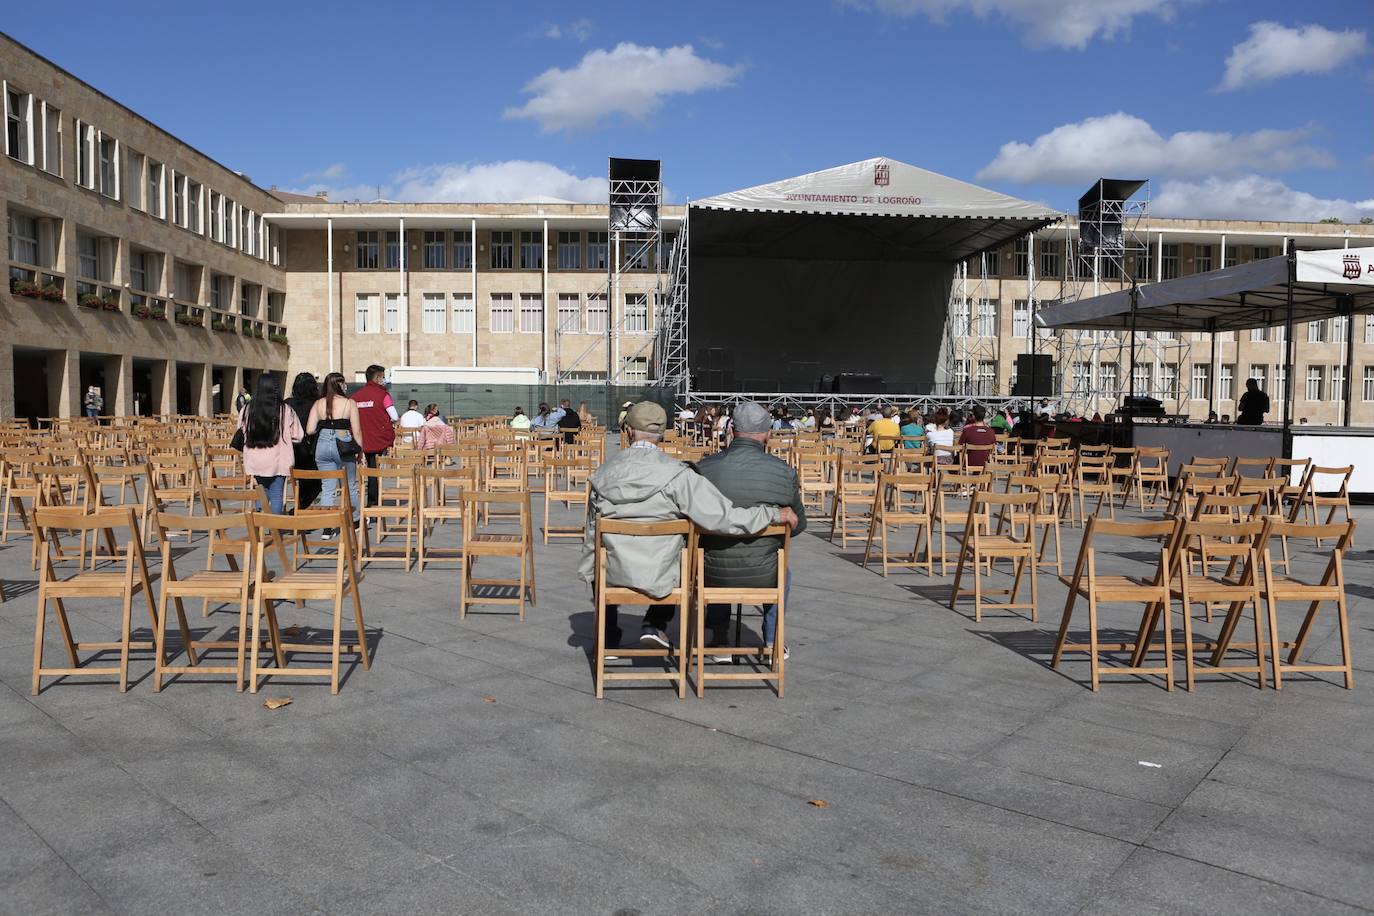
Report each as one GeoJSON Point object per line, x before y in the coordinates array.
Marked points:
{"type": "Point", "coordinates": [653, 636]}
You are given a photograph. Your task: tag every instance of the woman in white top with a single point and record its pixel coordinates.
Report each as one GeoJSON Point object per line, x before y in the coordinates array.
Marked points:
{"type": "Point", "coordinates": [939, 433]}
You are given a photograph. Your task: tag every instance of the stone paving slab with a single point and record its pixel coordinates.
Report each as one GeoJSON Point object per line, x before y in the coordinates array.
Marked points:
{"type": "Point", "coordinates": [471, 770]}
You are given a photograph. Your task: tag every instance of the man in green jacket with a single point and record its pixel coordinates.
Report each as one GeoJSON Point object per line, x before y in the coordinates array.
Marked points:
{"type": "Point", "coordinates": [641, 483]}
{"type": "Point", "coordinates": [747, 475]}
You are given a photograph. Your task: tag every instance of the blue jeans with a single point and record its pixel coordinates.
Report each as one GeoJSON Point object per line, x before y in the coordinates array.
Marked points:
{"type": "Point", "coordinates": [274, 486]}
{"type": "Point", "coordinates": [718, 615]}
{"type": "Point", "coordinates": [327, 459]}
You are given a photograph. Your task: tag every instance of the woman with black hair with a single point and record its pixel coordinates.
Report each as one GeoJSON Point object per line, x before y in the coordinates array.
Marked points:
{"type": "Point", "coordinates": [270, 431]}
{"type": "Point", "coordinates": [335, 420]}
{"type": "Point", "coordinates": [305, 391]}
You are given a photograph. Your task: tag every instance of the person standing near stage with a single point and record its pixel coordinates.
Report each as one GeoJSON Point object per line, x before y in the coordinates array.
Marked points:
{"type": "Point", "coordinates": [376, 414]}
{"type": "Point", "coordinates": [1254, 404]}
{"type": "Point", "coordinates": [976, 432]}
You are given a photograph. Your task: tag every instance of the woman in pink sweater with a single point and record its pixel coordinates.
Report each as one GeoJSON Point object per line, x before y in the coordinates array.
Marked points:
{"type": "Point", "coordinates": [270, 429]}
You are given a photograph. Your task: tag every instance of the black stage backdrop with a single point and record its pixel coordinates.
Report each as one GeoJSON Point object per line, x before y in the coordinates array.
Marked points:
{"type": "Point", "coordinates": [774, 324]}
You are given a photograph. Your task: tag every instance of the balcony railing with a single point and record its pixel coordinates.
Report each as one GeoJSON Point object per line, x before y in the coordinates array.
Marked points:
{"type": "Point", "coordinates": [224, 322]}
{"type": "Point", "coordinates": [34, 282]}
{"type": "Point", "coordinates": [188, 314]}
{"type": "Point", "coordinates": [93, 294]}
{"type": "Point", "coordinates": [277, 334]}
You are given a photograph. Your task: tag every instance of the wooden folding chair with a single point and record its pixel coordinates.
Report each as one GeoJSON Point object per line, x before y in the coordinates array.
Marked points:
{"type": "Point", "coordinates": [393, 515]}
{"type": "Point", "coordinates": [1285, 588]}
{"type": "Point", "coordinates": [857, 482]}
{"type": "Point", "coordinates": [1320, 494]}
{"type": "Point", "coordinates": [980, 547]}
{"type": "Point", "coordinates": [291, 584]}
{"type": "Point", "coordinates": [440, 494]}
{"type": "Point", "coordinates": [607, 593]}
{"type": "Point", "coordinates": [902, 501]}
{"type": "Point", "coordinates": [1009, 521]}
{"type": "Point", "coordinates": [1123, 471]}
{"type": "Point", "coordinates": [1152, 592]}
{"type": "Point", "coordinates": [949, 487]}
{"type": "Point", "coordinates": [480, 541]}
{"type": "Point", "coordinates": [1152, 474]}
{"type": "Point", "coordinates": [567, 480]}
{"type": "Point", "coordinates": [775, 594]}
{"type": "Point", "coordinates": [1225, 538]}
{"type": "Point", "coordinates": [306, 547]}
{"type": "Point", "coordinates": [124, 582]}
{"type": "Point", "coordinates": [232, 587]}
{"type": "Point", "coordinates": [1094, 480]}
{"type": "Point", "coordinates": [19, 485]}
{"type": "Point", "coordinates": [816, 476]}
{"type": "Point", "coordinates": [219, 501]}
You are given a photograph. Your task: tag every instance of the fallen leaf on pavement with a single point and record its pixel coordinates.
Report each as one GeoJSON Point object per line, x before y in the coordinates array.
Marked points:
{"type": "Point", "coordinates": [819, 803]}
{"type": "Point", "coordinates": [276, 702]}
{"type": "Point", "coordinates": [488, 699]}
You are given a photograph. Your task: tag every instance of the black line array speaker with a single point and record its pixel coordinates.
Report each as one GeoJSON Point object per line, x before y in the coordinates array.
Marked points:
{"type": "Point", "coordinates": [1034, 375]}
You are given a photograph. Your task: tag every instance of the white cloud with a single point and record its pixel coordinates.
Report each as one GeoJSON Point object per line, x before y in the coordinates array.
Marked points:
{"type": "Point", "coordinates": [628, 80]}
{"type": "Point", "coordinates": [1273, 51]}
{"type": "Point", "coordinates": [578, 30]}
{"type": "Point", "coordinates": [1044, 23]}
{"type": "Point", "coordinates": [1252, 197]}
{"type": "Point", "coordinates": [333, 172]}
{"type": "Point", "coordinates": [481, 182]}
{"type": "Point", "coordinates": [1125, 145]}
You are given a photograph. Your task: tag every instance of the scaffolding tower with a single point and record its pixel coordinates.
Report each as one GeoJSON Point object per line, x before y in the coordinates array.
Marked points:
{"type": "Point", "coordinates": [634, 237]}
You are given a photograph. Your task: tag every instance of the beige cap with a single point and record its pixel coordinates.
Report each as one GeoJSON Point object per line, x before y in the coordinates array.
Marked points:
{"type": "Point", "coordinates": [647, 417]}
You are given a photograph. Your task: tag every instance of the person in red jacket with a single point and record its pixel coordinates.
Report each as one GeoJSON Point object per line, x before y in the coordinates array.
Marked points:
{"type": "Point", "coordinates": [376, 414]}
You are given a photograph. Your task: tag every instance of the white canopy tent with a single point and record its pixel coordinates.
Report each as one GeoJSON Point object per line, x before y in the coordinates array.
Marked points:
{"type": "Point", "coordinates": [845, 270]}
{"type": "Point", "coordinates": [1293, 288]}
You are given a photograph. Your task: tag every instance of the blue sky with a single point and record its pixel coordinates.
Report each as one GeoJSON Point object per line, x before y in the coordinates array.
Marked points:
{"type": "Point", "coordinates": [1235, 108]}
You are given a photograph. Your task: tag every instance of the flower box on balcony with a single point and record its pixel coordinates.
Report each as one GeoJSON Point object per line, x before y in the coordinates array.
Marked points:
{"type": "Point", "coordinates": [190, 321]}
{"type": "Point", "coordinates": [277, 338]}
{"type": "Point", "coordinates": [31, 290]}
{"type": "Point", "coordinates": [98, 302]}
{"type": "Point", "coordinates": [225, 326]}
{"type": "Point", "coordinates": [149, 312]}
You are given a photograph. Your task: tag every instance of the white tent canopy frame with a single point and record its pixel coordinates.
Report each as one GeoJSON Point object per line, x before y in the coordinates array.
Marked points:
{"type": "Point", "coordinates": [1293, 288]}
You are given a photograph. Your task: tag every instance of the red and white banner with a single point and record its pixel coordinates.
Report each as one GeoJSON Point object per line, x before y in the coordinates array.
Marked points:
{"type": "Point", "coordinates": [1337, 265]}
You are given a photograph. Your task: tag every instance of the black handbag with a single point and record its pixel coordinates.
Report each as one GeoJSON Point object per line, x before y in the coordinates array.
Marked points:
{"type": "Point", "coordinates": [349, 449]}
{"type": "Point", "coordinates": [237, 442]}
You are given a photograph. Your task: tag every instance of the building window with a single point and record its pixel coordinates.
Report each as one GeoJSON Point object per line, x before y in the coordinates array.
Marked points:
{"type": "Point", "coordinates": [1203, 259]}
{"type": "Point", "coordinates": [186, 282]}
{"type": "Point", "coordinates": [221, 292]}
{"type": "Point", "coordinates": [134, 173]}
{"type": "Point", "coordinates": [961, 376]}
{"type": "Point", "coordinates": [531, 313]}
{"type": "Point", "coordinates": [1107, 379]}
{"type": "Point", "coordinates": [665, 251]}
{"type": "Point", "coordinates": [1021, 318]}
{"type": "Point", "coordinates": [392, 252]}
{"type": "Point", "coordinates": [1230, 256]}
{"type": "Point", "coordinates": [85, 155]}
{"type": "Point", "coordinates": [1082, 376]}
{"type": "Point", "coordinates": [435, 249]}
{"type": "Point", "coordinates": [365, 313]}
{"type": "Point", "coordinates": [988, 264]}
{"type": "Point", "coordinates": [987, 377]}
{"type": "Point", "coordinates": [987, 318]}
{"type": "Point", "coordinates": [1340, 328]}
{"type": "Point", "coordinates": [1369, 383]}
{"type": "Point", "coordinates": [462, 249]}
{"type": "Point", "coordinates": [1226, 383]}
{"type": "Point", "coordinates": [637, 369]}
{"type": "Point", "coordinates": [1259, 335]}
{"type": "Point", "coordinates": [531, 251]}
{"type": "Point", "coordinates": [249, 294]}
{"type": "Point", "coordinates": [502, 312]}
{"type": "Point", "coordinates": [1338, 383]}
{"type": "Point", "coordinates": [1260, 253]}
{"type": "Point", "coordinates": [1143, 378]}
{"type": "Point", "coordinates": [959, 321]}
{"type": "Point", "coordinates": [1315, 378]}
{"type": "Point", "coordinates": [1369, 328]}
{"type": "Point", "coordinates": [19, 125]}
{"type": "Point", "coordinates": [1279, 334]}
{"type": "Point", "coordinates": [1021, 257]}
{"type": "Point", "coordinates": [365, 253]}
{"type": "Point", "coordinates": [502, 250]}
{"type": "Point", "coordinates": [598, 246]}
{"type": "Point", "coordinates": [569, 312]}
{"type": "Point", "coordinates": [1143, 269]}
{"type": "Point", "coordinates": [637, 258]}
{"type": "Point", "coordinates": [393, 314]}
{"type": "Point", "coordinates": [1051, 259]}
{"type": "Point", "coordinates": [138, 270]}
{"type": "Point", "coordinates": [250, 233]}
{"type": "Point", "coordinates": [1260, 373]}
{"type": "Point", "coordinates": [193, 194]}
{"type": "Point", "coordinates": [433, 314]}
{"type": "Point", "coordinates": [23, 239]}
{"type": "Point", "coordinates": [1280, 392]}
{"type": "Point", "coordinates": [108, 148]}
{"type": "Point", "coordinates": [215, 207]}
{"type": "Point", "coordinates": [1316, 332]}
{"type": "Point", "coordinates": [1168, 261]}
{"type": "Point", "coordinates": [636, 313]}
{"type": "Point", "coordinates": [157, 205]}
{"type": "Point", "coordinates": [1202, 382]}
{"type": "Point", "coordinates": [596, 313]}
{"type": "Point", "coordinates": [569, 251]}
{"type": "Point", "coordinates": [464, 314]}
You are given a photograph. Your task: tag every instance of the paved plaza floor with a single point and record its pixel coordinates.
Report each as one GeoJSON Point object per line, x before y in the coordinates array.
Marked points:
{"type": "Point", "coordinates": [471, 770]}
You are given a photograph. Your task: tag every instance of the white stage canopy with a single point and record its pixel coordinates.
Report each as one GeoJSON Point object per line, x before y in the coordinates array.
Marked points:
{"type": "Point", "coordinates": [1322, 284]}
{"type": "Point", "coordinates": [934, 218]}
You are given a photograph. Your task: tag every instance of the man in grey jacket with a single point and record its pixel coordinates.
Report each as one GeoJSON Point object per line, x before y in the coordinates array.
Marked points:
{"type": "Point", "coordinates": [640, 483]}
{"type": "Point", "coordinates": [748, 476]}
